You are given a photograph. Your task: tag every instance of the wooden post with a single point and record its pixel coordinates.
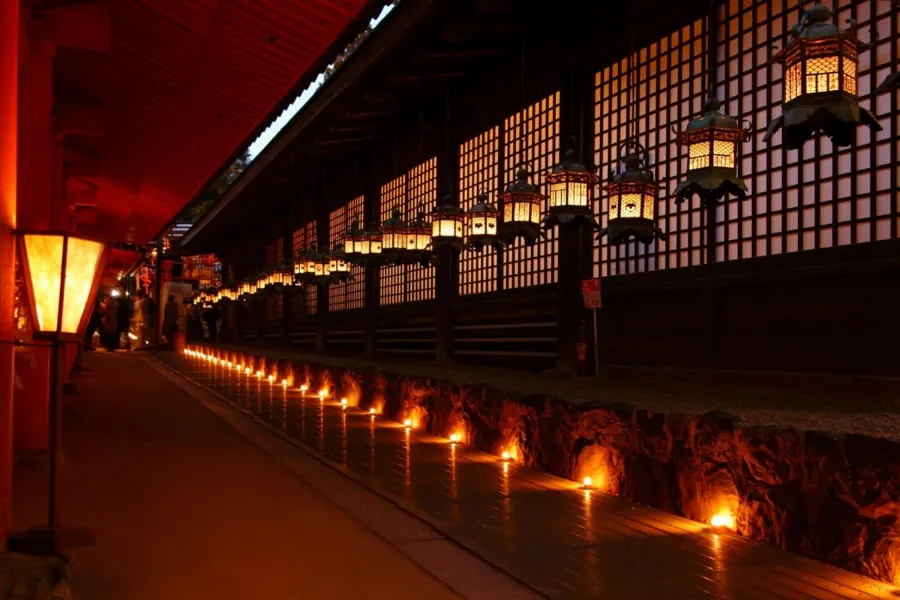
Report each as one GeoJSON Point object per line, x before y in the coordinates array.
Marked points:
{"type": "Point", "coordinates": [287, 297]}
{"type": "Point", "coordinates": [446, 272]}
{"type": "Point", "coordinates": [371, 206]}
{"type": "Point", "coordinates": [9, 91]}
{"type": "Point", "coordinates": [322, 235]}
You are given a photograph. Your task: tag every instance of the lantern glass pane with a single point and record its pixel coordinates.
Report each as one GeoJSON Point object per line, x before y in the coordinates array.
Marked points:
{"type": "Point", "coordinates": [849, 83]}
{"type": "Point", "coordinates": [375, 246]}
{"type": "Point", "coordinates": [483, 224]}
{"type": "Point", "coordinates": [792, 78]}
{"type": "Point", "coordinates": [44, 254]}
{"type": "Point", "coordinates": [44, 266]}
{"type": "Point", "coordinates": [320, 268]}
{"type": "Point", "coordinates": [568, 193]}
{"type": "Point", "coordinates": [448, 228]}
{"type": "Point", "coordinates": [822, 74]}
{"type": "Point", "coordinates": [311, 266]}
{"type": "Point", "coordinates": [411, 240]}
{"type": "Point", "coordinates": [357, 245]}
{"type": "Point", "coordinates": [649, 206]}
{"type": "Point", "coordinates": [630, 206]}
{"type": "Point", "coordinates": [332, 264]}
{"type": "Point", "coordinates": [364, 246]}
{"type": "Point", "coordinates": [699, 155]}
{"type": "Point", "coordinates": [423, 239]}
{"type": "Point", "coordinates": [342, 266]}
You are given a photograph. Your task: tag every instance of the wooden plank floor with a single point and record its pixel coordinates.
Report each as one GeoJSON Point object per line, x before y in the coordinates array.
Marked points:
{"type": "Point", "coordinates": [562, 541]}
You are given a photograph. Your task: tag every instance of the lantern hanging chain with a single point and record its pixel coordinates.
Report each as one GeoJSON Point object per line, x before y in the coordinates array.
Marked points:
{"type": "Point", "coordinates": [631, 112]}
{"type": "Point", "coordinates": [522, 100]}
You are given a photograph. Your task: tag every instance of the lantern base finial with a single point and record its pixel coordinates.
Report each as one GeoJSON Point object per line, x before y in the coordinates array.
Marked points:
{"type": "Point", "coordinates": [624, 229]}
{"type": "Point", "coordinates": [529, 232]}
{"type": "Point", "coordinates": [836, 117]}
{"type": "Point", "coordinates": [711, 187]}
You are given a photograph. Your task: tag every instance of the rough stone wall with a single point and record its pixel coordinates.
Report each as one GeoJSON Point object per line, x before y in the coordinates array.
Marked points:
{"type": "Point", "coordinates": [831, 497]}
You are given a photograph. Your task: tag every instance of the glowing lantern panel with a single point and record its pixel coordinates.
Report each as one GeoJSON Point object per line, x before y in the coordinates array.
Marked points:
{"type": "Point", "coordinates": [45, 263]}
{"type": "Point", "coordinates": [521, 208]}
{"type": "Point", "coordinates": [632, 197]}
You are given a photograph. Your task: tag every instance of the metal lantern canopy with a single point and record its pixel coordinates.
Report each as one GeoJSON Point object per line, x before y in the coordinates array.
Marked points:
{"type": "Point", "coordinates": [521, 202]}
{"type": "Point", "coordinates": [63, 272]}
{"type": "Point", "coordinates": [481, 224]}
{"type": "Point", "coordinates": [571, 187]}
{"type": "Point", "coordinates": [712, 140]}
{"type": "Point", "coordinates": [632, 197]}
{"type": "Point", "coordinates": [447, 226]}
{"type": "Point", "coordinates": [820, 82]}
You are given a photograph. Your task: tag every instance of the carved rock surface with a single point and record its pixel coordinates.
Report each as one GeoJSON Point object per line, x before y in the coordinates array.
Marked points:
{"type": "Point", "coordinates": [831, 497]}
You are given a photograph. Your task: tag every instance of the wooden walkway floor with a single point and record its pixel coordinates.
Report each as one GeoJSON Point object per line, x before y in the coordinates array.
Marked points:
{"type": "Point", "coordinates": [560, 540]}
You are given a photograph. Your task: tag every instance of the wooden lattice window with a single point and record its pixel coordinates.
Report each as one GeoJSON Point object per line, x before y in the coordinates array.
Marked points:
{"type": "Point", "coordinates": [411, 193]}
{"type": "Point", "coordinates": [532, 135]}
{"type": "Point", "coordinates": [671, 89]}
{"type": "Point", "coordinates": [479, 166]}
{"type": "Point", "coordinates": [392, 278]}
{"type": "Point", "coordinates": [352, 294]}
{"type": "Point", "coordinates": [304, 239]}
{"type": "Point", "coordinates": [819, 196]}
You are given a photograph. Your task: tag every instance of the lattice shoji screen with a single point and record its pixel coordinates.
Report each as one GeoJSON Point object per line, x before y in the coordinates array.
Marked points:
{"type": "Point", "coordinates": [532, 135]}
{"type": "Point", "coordinates": [304, 239]}
{"type": "Point", "coordinates": [671, 89]}
{"type": "Point", "coordinates": [393, 277]}
{"type": "Point", "coordinates": [421, 196]}
{"type": "Point", "coordinates": [479, 165]}
{"type": "Point", "coordinates": [352, 294]}
{"type": "Point", "coordinates": [412, 192]}
{"type": "Point", "coordinates": [819, 196]}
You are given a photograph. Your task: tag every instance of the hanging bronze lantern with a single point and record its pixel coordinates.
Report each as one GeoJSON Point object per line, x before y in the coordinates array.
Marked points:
{"type": "Point", "coordinates": [418, 241]}
{"type": "Point", "coordinates": [632, 197]}
{"type": "Point", "coordinates": [521, 203]}
{"type": "Point", "coordinates": [820, 82]}
{"type": "Point", "coordinates": [712, 140]}
{"type": "Point", "coordinates": [353, 243]}
{"type": "Point", "coordinates": [394, 234]}
{"type": "Point", "coordinates": [447, 226]}
{"type": "Point", "coordinates": [338, 267]}
{"type": "Point", "coordinates": [481, 224]}
{"type": "Point", "coordinates": [571, 187]}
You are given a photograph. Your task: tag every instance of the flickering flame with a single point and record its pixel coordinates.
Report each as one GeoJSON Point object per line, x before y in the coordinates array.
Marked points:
{"type": "Point", "coordinates": [247, 371]}
{"type": "Point", "coordinates": [284, 383]}
{"type": "Point", "coordinates": [407, 423]}
{"type": "Point", "coordinates": [271, 378]}
{"type": "Point", "coordinates": [725, 520]}
{"type": "Point", "coordinates": [454, 438]}
{"type": "Point", "coordinates": [588, 482]}
{"type": "Point", "coordinates": [259, 374]}
{"type": "Point", "coordinates": [505, 456]}
{"type": "Point", "coordinates": [372, 411]}
{"type": "Point", "coordinates": [322, 394]}
{"type": "Point", "coordinates": [343, 403]}
{"type": "Point", "coordinates": [304, 388]}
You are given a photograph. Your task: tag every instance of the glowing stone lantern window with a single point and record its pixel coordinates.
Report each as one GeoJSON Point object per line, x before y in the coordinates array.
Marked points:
{"type": "Point", "coordinates": [820, 82]}
{"type": "Point", "coordinates": [632, 197]}
{"type": "Point", "coordinates": [62, 272]}
{"type": "Point", "coordinates": [521, 203]}
{"type": "Point", "coordinates": [447, 226]}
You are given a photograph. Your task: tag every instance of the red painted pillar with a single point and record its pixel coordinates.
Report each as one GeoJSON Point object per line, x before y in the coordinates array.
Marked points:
{"type": "Point", "coordinates": [9, 90]}
{"type": "Point", "coordinates": [31, 431]}
{"type": "Point", "coordinates": [38, 192]}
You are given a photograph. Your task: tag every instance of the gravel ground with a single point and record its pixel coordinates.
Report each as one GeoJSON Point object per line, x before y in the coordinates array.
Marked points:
{"type": "Point", "coordinates": [827, 403]}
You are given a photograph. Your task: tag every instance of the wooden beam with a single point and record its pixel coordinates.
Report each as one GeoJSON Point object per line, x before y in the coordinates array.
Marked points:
{"type": "Point", "coordinates": [85, 26]}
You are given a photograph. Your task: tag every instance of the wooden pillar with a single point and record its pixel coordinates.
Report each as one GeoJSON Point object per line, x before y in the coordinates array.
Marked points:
{"type": "Point", "coordinates": [371, 210]}
{"type": "Point", "coordinates": [575, 239]}
{"type": "Point", "coordinates": [287, 296]}
{"type": "Point", "coordinates": [446, 272]}
{"type": "Point", "coordinates": [322, 235]}
{"type": "Point", "coordinates": [39, 193]}
{"type": "Point", "coordinates": [9, 91]}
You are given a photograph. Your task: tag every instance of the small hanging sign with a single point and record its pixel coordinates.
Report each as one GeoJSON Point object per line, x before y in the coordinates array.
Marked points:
{"type": "Point", "coordinates": [590, 291]}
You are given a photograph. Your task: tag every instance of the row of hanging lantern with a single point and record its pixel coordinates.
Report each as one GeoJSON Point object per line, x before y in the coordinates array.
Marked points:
{"type": "Point", "coordinates": [820, 95]}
